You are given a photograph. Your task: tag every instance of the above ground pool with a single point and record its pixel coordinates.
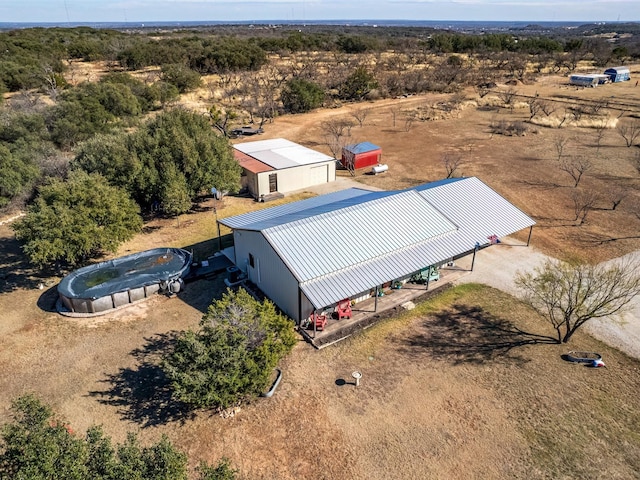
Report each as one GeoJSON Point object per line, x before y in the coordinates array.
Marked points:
{"type": "Point", "coordinates": [112, 284]}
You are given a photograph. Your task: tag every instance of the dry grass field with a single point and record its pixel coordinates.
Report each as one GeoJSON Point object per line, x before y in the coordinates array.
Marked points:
{"type": "Point", "coordinates": [462, 387]}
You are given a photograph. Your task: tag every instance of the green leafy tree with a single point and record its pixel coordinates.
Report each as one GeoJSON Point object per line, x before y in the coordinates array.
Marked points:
{"type": "Point", "coordinates": [17, 175]}
{"type": "Point", "coordinates": [232, 356]}
{"type": "Point", "coordinates": [174, 195]}
{"type": "Point", "coordinates": [175, 157]}
{"type": "Point", "coordinates": [89, 109]}
{"type": "Point", "coordinates": [358, 84]}
{"type": "Point", "coordinates": [38, 446]}
{"type": "Point", "coordinates": [77, 219]}
{"type": "Point", "coordinates": [222, 471]}
{"type": "Point", "coordinates": [568, 295]}
{"type": "Point", "coordinates": [181, 76]}
{"type": "Point", "coordinates": [300, 96]}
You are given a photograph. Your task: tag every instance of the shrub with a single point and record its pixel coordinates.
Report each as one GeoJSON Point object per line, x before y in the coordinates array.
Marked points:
{"type": "Point", "coordinates": [232, 356]}
{"type": "Point", "coordinates": [299, 96]}
{"type": "Point", "coordinates": [182, 77]}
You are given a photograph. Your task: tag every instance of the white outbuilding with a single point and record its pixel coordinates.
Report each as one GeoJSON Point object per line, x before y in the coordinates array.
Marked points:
{"type": "Point", "coordinates": [309, 255]}
{"type": "Point", "coordinates": [274, 167]}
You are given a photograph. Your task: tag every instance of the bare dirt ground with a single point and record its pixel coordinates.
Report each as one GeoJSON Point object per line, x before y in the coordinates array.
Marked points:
{"type": "Point", "coordinates": [467, 388]}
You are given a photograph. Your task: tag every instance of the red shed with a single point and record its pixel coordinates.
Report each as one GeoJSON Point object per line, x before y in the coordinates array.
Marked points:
{"type": "Point", "coordinates": [360, 155]}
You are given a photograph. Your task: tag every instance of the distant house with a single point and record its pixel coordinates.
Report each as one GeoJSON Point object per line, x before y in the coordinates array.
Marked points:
{"type": "Point", "coordinates": [309, 255]}
{"type": "Point", "coordinates": [274, 167]}
{"type": "Point", "coordinates": [618, 74]}
{"type": "Point", "coordinates": [360, 155]}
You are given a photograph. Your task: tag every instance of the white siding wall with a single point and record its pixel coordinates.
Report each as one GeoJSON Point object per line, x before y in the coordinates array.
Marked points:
{"type": "Point", "coordinates": [295, 178]}
{"type": "Point", "coordinates": [268, 272]}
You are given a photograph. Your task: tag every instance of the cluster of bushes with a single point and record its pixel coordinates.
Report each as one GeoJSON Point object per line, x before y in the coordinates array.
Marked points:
{"type": "Point", "coordinates": [27, 54]}
{"type": "Point", "coordinates": [163, 165]}
{"type": "Point", "coordinates": [205, 54]}
{"type": "Point", "coordinates": [167, 162]}
{"type": "Point", "coordinates": [36, 445]}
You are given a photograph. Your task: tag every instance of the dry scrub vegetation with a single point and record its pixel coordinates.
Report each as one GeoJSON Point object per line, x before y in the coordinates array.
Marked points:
{"type": "Point", "coordinates": [458, 388]}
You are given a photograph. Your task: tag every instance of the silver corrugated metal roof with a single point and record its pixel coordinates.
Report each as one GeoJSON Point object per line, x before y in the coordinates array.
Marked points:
{"type": "Point", "coordinates": [267, 217]}
{"type": "Point", "coordinates": [280, 153]}
{"type": "Point", "coordinates": [332, 241]}
{"type": "Point", "coordinates": [342, 248]}
{"type": "Point", "coordinates": [482, 211]}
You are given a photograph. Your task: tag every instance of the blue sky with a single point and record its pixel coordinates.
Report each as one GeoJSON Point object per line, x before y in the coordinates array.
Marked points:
{"type": "Point", "coordinates": [224, 10]}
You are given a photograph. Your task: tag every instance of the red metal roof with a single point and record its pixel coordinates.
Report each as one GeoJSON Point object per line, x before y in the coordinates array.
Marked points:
{"type": "Point", "coordinates": [251, 164]}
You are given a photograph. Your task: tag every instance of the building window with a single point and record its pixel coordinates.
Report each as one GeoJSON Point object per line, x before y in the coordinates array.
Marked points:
{"type": "Point", "coordinates": [251, 261]}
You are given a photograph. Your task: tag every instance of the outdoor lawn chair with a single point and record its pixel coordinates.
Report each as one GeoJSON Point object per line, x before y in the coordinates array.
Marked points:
{"type": "Point", "coordinates": [344, 309]}
{"type": "Point", "coordinates": [320, 321]}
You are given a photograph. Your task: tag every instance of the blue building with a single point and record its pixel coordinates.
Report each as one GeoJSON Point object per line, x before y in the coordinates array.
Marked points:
{"type": "Point", "coordinates": [618, 74]}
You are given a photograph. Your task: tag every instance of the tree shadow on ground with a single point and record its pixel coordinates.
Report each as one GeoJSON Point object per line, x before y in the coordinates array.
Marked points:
{"type": "Point", "coordinates": [466, 334]}
{"type": "Point", "coordinates": [595, 239]}
{"type": "Point", "coordinates": [543, 184]}
{"type": "Point", "coordinates": [15, 270]}
{"type": "Point", "coordinates": [143, 394]}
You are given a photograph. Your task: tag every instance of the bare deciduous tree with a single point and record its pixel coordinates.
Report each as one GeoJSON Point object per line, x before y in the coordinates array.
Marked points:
{"type": "Point", "coordinates": [583, 203]}
{"type": "Point", "coordinates": [482, 90]}
{"type": "Point", "coordinates": [598, 105]}
{"type": "Point", "coordinates": [394, 114]}
{"type": "Point", "coordinates": [616, 194]}
{"type": "Point", "coordinates": [560, 144]}
{"type": "Point", "coordinates": [451, 162]}
{"type": "Point", "coordinates": [360, 115]}
{"type": "Point", "coordinates": [569, 295]}
{"type": "Point", "coordinates": [576, 167]}
{"type": "Point", "coordinates": [534, 107]}
{"type": "Point", "coordinates": [336, 132]}
{"type": "Point", "coordinates": [409, 117]}
{"type": "Point", "coordinates": [630, 133]}
{"type": "Point", "coordinates": [600, 130]}
{"type": "Point", "coordinates": [548, 108]}
{"type": "Point", "coordinates": [508, 96]}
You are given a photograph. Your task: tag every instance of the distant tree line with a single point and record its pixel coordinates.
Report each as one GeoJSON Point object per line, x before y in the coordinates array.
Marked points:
{"type": "Point", "coordinates": [29, 56]}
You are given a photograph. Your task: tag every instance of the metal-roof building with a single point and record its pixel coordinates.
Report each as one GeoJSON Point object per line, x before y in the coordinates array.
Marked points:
{"type": "Point", "coordinates": [618, 74]}
{"type": "Point", "coordinates": [360, 155]}
{"type": "Point", "coordinates": [281, 166]}
{"type": "Point", "coordinates": [309, 255]}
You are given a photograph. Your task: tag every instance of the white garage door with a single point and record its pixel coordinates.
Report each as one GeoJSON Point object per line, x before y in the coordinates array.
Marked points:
{"type": "Point", "coordinates": [319, 174]}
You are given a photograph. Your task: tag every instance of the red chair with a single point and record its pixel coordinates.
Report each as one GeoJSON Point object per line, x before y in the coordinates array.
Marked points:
{"type": "Point", "coordinates": [344, 309]}
{"type": "Point", "coordinates": [319, 320]}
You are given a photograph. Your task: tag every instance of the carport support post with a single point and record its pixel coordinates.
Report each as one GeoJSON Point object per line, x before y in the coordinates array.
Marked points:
{"type": "Point", "coordinates": [473, 260]}
{"type": "Point", "coordinates": [530, 232]}
{"type": "Point", "coordinates": [215, 212]}
{"type": "Point", "coordinates": [375, 301]}
{"type": "Point", "coordinates": [428, 276]}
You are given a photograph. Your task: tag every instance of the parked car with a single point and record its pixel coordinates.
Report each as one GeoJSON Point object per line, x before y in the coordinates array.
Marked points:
{"type": "Point", "coordinates": [246, 130]}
